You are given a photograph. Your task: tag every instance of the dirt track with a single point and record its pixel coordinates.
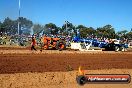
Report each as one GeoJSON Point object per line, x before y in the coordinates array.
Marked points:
{"type": "Point", "coordinates": [52, 68]}
{"type": "Point", "coordinates": [57, 79]}
{"type": "Point", "coordinates": [54, 61]}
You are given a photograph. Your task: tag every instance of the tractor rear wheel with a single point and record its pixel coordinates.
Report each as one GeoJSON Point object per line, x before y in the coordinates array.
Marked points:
{"type": "Point", "coordinates": [60, 45]}
{"type": "Point", "coordinates": [122, 49]}
{"type": "Point", "coordinates": [46, 47]}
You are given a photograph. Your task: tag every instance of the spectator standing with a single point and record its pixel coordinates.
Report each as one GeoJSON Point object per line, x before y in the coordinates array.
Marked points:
{"type": "Point", "coordinates": [33, 44]}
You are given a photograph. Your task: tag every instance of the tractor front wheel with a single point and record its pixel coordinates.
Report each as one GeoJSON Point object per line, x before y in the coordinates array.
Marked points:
{"type": "Point", "coordinates": [122, 49]}
{"type": "Point", "coordinates": [60, 45]}
{"type": "Point", "coordinates": [117, 48]}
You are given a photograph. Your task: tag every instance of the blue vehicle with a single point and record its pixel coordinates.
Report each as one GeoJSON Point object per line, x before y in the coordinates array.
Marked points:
{"type": "Point", "coordinates": [113, 46]}
{"type": "Point", "coordinates": [95, 42]}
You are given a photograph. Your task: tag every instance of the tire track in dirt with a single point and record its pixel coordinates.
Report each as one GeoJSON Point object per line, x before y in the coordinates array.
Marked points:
{"type": "Point", "coordinates": [54, 62]}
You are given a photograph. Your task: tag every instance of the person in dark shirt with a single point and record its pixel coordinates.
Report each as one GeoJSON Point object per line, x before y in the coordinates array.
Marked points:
{"type": "Point", "coordinates": [33, 44]}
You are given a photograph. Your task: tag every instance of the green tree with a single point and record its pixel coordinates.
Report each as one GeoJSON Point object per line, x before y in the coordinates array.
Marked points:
{"type": "Point", "coordinates": [68, 28]}
{"type": "Point", "coordinates": [129, 35]}
{"type": "Point", "coordinates": [37, 28]}
{"type": "Point", "coordinates": [82, 30]}
{"type": "Point", "coordinates": [59, 30]}
{"type": "Point", "coordinates": [86, 31]}
{"type": "Point", "coordinates": [90, 31]}
{"type": "Point", "coordinates": [80, 27]}
{"type": "Point", "coordinates": [51, 28]}
{"type": "Point", "coordinates": [107, 31]}
{"type": "Point", "coordinates": [122, 34]}
{"type": "Point", "coordinates": [25, 25]}
{"type": "Point", "coordinates": [0, 23]}
{"type": "Point", "coordinates": [0, 26]}
{"type": "Point", "coordinates": [9, 26]}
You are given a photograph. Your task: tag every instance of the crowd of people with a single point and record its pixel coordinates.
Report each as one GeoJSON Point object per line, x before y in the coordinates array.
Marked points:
{"type": "Point", "coordinates": [34, 39]}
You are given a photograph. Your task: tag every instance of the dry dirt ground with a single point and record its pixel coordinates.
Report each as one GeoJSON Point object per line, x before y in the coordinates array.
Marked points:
{"type": "Point", "coordinates": [21, 68]}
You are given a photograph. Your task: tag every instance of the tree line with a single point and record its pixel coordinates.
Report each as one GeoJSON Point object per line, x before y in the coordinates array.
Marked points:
{"type": "Point", "coordinates": [10, 27]}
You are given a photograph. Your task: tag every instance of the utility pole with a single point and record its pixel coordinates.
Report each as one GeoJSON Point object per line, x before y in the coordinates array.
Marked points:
{"type": "Point", "coordinates": [19, 17]}
{"type": "Point", "coordinates": [66, 26]}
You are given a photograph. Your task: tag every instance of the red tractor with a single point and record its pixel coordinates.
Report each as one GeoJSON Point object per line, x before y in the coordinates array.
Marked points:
{"type": "Point", "coordinates": [54, 43]}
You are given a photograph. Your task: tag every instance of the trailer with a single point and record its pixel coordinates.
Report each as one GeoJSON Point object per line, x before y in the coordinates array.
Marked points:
{"type": "Point", "coordinates": [83, 47]}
